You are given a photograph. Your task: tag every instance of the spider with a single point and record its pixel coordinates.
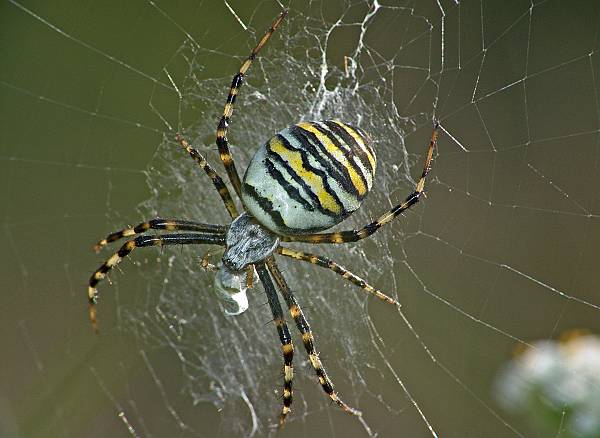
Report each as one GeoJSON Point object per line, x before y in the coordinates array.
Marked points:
{"type": "Point", "coordinates": [304, 180]}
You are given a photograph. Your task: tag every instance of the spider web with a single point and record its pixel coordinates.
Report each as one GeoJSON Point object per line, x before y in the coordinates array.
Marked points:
{"type": "Point", "coordinates": [501, 252]}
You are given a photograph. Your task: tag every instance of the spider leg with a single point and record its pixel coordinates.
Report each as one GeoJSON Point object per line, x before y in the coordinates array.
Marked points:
{"type": "Point", "coordinates": [388, 216]}
{"type": "Point", "coordinates": [212, 174]}
{"type": "Point", "coordinates": [307, 337]}
{"type": "Point", "coordinates": [236, 83]}
{"type": "Point", "coordinates": [140, 242]}
{"type": "Point", "coordinates": [250, 277]}
{"type": "Point", "coordinates": [161, 224]}
{"type": "Point", "coordinates": [338, 269]}
{"type": "Point", "coordinates": [284, 336]}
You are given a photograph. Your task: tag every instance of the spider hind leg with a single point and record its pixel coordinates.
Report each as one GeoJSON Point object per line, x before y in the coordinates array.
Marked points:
{"type": "Point", "coordinates": [236, 83]}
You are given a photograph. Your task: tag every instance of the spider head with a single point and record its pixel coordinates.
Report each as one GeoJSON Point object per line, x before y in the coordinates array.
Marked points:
{"type": "Point", "coordinates": [248, 242]}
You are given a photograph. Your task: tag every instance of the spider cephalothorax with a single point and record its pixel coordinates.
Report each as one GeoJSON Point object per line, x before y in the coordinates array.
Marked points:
{"type": "Point", "coordinates": [247, 242]}
{"type": "Point", "coordinates": [304, 180]}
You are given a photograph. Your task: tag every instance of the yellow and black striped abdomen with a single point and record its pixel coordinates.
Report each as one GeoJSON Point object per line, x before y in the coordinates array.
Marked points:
{"type": "Point", "coordinates": [309, 177]}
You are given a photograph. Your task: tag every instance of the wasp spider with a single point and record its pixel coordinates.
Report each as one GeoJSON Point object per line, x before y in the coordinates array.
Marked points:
{"type": "Point", "coordinates": [304, 180]}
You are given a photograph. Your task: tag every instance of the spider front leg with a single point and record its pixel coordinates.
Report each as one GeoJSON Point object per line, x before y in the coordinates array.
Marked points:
{"type": "Point", "coordinates": [160, 224]}
{"type": "Point", "coordinates": [387, 217]}
{"type": "Point", "coordinates": [140, 242]}
{"type": "Point", "coordinates": [307, 337]}
{"type": "Point", "coordinates": [284, 336]}
{"type": "Point", "coordinates": [236, 83]}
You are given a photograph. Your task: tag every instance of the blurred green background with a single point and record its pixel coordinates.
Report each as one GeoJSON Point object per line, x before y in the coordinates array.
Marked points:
{"type": "Point", "coordinates": [502, 252]}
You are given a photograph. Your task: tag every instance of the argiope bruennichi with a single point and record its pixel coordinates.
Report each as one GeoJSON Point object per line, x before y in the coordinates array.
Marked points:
{"type": "Point", "coordinates": [304, 180]}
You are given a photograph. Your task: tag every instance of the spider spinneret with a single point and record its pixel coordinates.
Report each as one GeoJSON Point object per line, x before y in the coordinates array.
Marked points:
{"type": "Point", "coordinates": [304, 180]}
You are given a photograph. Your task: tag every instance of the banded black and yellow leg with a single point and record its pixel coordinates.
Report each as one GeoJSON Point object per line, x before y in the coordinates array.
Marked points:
{"type": "Point", "coordinates": [161, 224]}
{"type": "Point", "coordinates": [338, 269]}
{"type": "Point", "coordinates": [141, 242]}
{"type": "Point", "coordinates": [284, 336]}
{"type": "Point", "coordinates": [212, 174]}
{"type": "Point", "coordinates": [387, 217]}
{"type": "Point", "coordinates": [307, 337]}
{"type": "Point", "coordinates": [236, 83]}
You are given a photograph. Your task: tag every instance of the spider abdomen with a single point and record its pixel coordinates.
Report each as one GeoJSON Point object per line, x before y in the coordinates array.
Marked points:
{"type": "Point", "coordinates": [309, 177]}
